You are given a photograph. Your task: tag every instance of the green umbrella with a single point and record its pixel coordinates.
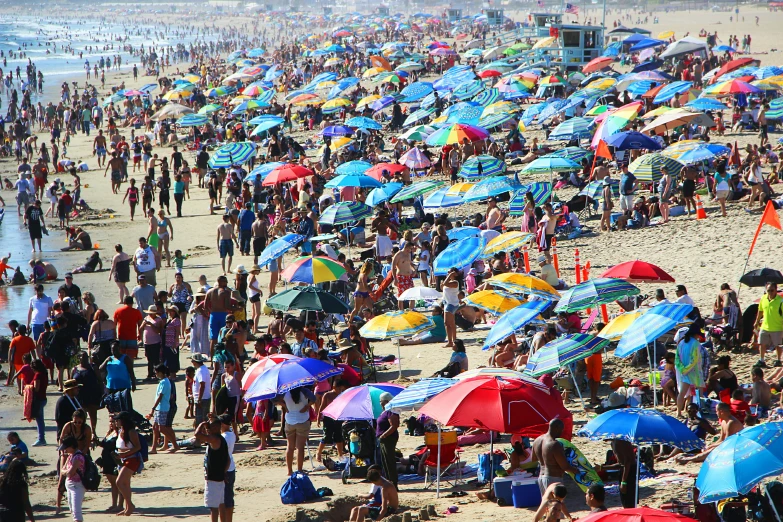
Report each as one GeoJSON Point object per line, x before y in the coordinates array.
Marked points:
{"type": "Point", "coordinates": [307, 298]}
{"type": "Point", "coordinates": [648, 167]}
{"type": "Point", "coordinates": [210, 108]}
{"type": "Point", "coordinates": [416, 189]}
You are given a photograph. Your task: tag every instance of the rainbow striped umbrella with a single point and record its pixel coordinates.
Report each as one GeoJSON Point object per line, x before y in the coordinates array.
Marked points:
{"type": "Point", "coordinates": [401, 323]}
{"type": "Point", "coordinates": [594, 292]}
{"type": "Point", "coordinates": [455, 133]}
{"type": "Point", "coordinates": [313, 270]}
{"type": "Point", "coordinates": [562, 352]}
{"type": "Point", "coordinates": [525, 284]}
{"type": "Point", "coordinates": [482, 166]}
{"type": "Point", "coordinates": [732, 87]}
{"type": "Point", "coordinates": [507, 242]}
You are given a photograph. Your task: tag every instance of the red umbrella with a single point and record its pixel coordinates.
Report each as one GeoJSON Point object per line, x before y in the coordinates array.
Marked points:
{"type": "Point", "coordinates": [499, 404]}
{"type": "Point", "coordinates": [733, 65]}
{"type": "Point", "coordinates": [258, 367]}
{"type": "Point", "coordinates": [602, 62]}
{"type": "Point", "coordinates": [638, 272]}
{"type": "Point", "coordinates": [377, 170]}
{"type": "Point", "coordinates": [490, 73]}
{"type": "Point", "coordinates": [640, 514]}
{"type": "Point", "coordinates": [287, 172]}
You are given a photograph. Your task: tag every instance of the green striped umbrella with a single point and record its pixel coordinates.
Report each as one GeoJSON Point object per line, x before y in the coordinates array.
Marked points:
{"type": "Point", "coordinates": [345, 212]}
{"type": "Point", "coordinates": [488, 165]}
{"type": "Point", "coordinates": [210, 108]}
{"type": "Point", "coordinates": [594, 292]}
{"type": "Point", "coordinates": [575, 154]}
{"type": "Point", "coordinates": [648, 167]}
{"type": "Point", "coordinates": [495, 120]}
{"type": "Point", "coordinates": [562, 352]}
{"type": "Point", "coordinates": [487, 97]}
{"type": "Point", "coordinates": [542, 165]}
{"type": "Point", "coordinates": [416, 189]}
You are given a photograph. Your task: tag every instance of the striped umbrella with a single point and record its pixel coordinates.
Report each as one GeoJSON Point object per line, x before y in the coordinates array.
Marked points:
{"type": "Point", "coordinates": [575, 154]}
{"type": "Point", "coordinates": [313, 270]}
{"type": "Point", "coordinates": [648, 167]}
{"type": "Point", "coordinates": [468, 90]}
{"type": "Point", "coordinates": [351, 180]}
{"type": "Point", "coordinates": [232, 154]}
{"type": "Point", "coordinates": [595, 189]}
{"type": "Point", "coordinates": [460, 189]}
{"type": "Point", "coordinates": [493, 301]}
{"type": "Point", "coordinates": [289, 374]}
{"type": "Point", "coordinates": [353, 168]}
{"type": "Point", "coordinates": [642, 332]}
{"type": "Point", "coordinates": [507, 242]}
{"type": "Point", "coordinates": [414, 159]}
{"type": "Point", "coordinates": [482, 166]}
{"type": "Point", "coordinates": [210, 108]}
{"type": "Point", "coordinates": [401, 323]}
{"type": "Point", "coordinates": [562, 352]}
{"type": "Point", "coordinates": [266, 96]}
{"type": "Point", "coordinates": [409, 67]}
{"type": "Point", "coordinates": [545, 165]}
{"type": "Point", "coordinates": [513, 321]}
{"type": "Point", "coordinates": [455, 133]}
{"type": "Point", "coordinates": [594, 292]}
{"type": "Point", "coordinates": [386, 101]}
{"type": "Point", "coordinates": [491, 121]}
{"type": "Point", "coordinates": [278, 247]}
{"type": "Point", "coordinates": [418, 115]}
{"type": "Point", "coordinates": [441, 199]}
{"type": "Point", "coordinates": [487, 97]}
{"type": "Point", "coordinates": [575, 128]}
{"type": "Point", "coordinates": [335, 104]}
{"type": "Point", "coordinates": [416, 189]}
{"type": "Point", "coordinates": [345, 212]}
{"type": "Point", "coordinates": [367, 100]}
{"type": "Point", "coordinates": [193, 120]}
{"type": "Point", "coordinates": [696, 152]}
{"type": "Point", "coordinates": [258, 367]}
{"type": "Point", "coordinates": [416, 91]}
{"type": "Point", "coordinates": [672, 90]}
{"type": "Point", "coordinates": [615, 328]}
{"type": "Point", "coordinates": [541, 190]}
{"type": "Point", "coordinates": [263, 170]}
{"type": "Point", "coordinates": [363, 122]}
{"type": "Point", "coordinates": [493, 186]}
{"type": "Point", "coordinates": [418, 393]}
{"type": "Point", "coordinates": [640, 87]}
{"type": "Point", "coordinates": [418, 133]}
{"type": "Point", "coordinates": [525, 284]}
{"type": "Point", "coordinates": [459, 254]}
{"type": "Point", "coordinates": [382, 194]}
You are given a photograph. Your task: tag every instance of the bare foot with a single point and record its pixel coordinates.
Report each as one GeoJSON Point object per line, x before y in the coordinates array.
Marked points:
{"type": "Point", "coordinates": [152, 451]}
{"type": "Point", "coordinates": [173, 450]}
{"type": "Point", "coordinates": [127, 512]}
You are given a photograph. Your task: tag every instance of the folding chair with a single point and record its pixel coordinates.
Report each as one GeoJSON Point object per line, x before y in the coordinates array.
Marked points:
{"type": "Point", "coordinates": [449, 458]}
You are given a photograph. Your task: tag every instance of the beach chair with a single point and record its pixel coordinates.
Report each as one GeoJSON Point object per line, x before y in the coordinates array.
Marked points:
{"type": "Point", "coordinates": [589, 321]}
{"type": "Point", "coordinates": [450, 466]}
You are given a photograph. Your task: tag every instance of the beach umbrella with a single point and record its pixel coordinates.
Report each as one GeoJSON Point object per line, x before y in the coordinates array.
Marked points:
{"type": "Point", "coordinates": [416, 189]}
{"type": "Point", "coordinates": [289, 374]}
{"type": "Point", "coordinates": [573, 129]}
{"type": "Point", "coordinates": [385, 101]}
{"type": "Point", "coordinates": [345, 212]}
{"type": "Point", "coordinates": [647, 43]}
{"type": "Point", "coordinates": [418, 133]}
{"type": "Point", "coordinates": [392, 325]}
{"type": "Point", "coordinates": [424, 293]}
{"type": "Point", "coordinates": [491, 121]}
{"type": "Point", "coordinates": [441, 199]}
{"type": "Point", "coordinates": [481, 166]}
{"type": "Point", "coordinates": [493, 301]}
{"type": "Point", "coordinates": [171, 110]}
{"type": "Point", "coordinates": [563, 351]}
{"type": "Point", "coordinates": [416, 91]}
{"type": "Point", "coordinates": [639, 514]}
{"type": "Point", "coordinates": [232, 154]}
{"type": "Point", "coordinates": [541, 190]}
{"type": "Point", "coordinates": [363, 122]}
{"type": "Point", "coordinates": [646, 330]}
{"type": "Point", "coordinates": [308, 298]}
{"type": "Point", "coordinates": [525, 284]}
{"type": "Point", "coordinates": [210, 108]}
{"type": "Point", "coordinates": [455, 133]}
{"type": "Point", "coordinates": [266, 125]}
{"type": "Point", "coordinates": [733, 65]}
{"type": "Point", "coordinates": [552, 164]}
{"type": "Point", "coordinates": [697, 152]}
{"type": "Point", "coordinates": [287, 172]}
{"type": "Point", "coordinates": [414, 159]}
{"type": "Point", "coordinates": [337, 130]}
{"type": "Point", "coordinates": [513, 321]}
{"type": "Point", "coordinates": [671, 90]}
{"type": "Point", "coordinates": [460, 189]}
{"type": "Point", "coordinates": [641, 426]}
{"type": "Point", "coordinates": [417, 394]}
{"type": "Point", "coordinates": [487, 97]}
{"type": "Point", "coordinates": [594, 292]}
{"type": "Point", "coordinates": [732, 87]}
{"type": "Point", "coordinates": [335, 104]}
{"type": "Point", "coordinates": [468, 89]}
{"type": "Point", "coordinates": [675, 118]}
{"type": "Point", "coordinates": [262, 170]}
{"type": "Point", "coordinates": [507, 242]}
{"type": "Point", "coordinates": [382, 194]}
{"type": "Point", "coordinates": [353, 168]}
{"type": "Point", "coordinates": [359, 403]}
{"type": "Point", "coordinates": [616, 327]}
{"type": "Point", "coordinates": [367, 100]}
{"type": "Point", "coordinates": [638, 272]}
{"type": "Point", "coordinates": [313, 270]}
{"type": "Point", "coordinates": [741, 462]}
{"type": "Point", "coordinates": [459, 254]}
{"type": "Point", "coordinates": [192, 120]}
{"type": "Point", "coordinates": [455, 234]}
{"type": "Point", "coordinates": [595, 189]}
{"type": "Point", "coordinates": [632, 140]}
{"type": "Point", "coordinates": [490, 187]}
{"type": "Point", "coordinates": [761, 276]}
{"type": "Point", "coordinates": [261, 365]}
{"type": "Point", "coordinates": [597, 64]}
{"type": "Point", "coordinates": [418, 115]}
{"type": "Point", "coordinates": [706, 104]}
{"type": "Point", "coordinates": [466, 115]}
{"type": "Point", "coordinates": [409, 66]}
{"type": "Point", "coordinates": [648, 167]}
{"type": "Point", "coordinates": [278, 247]}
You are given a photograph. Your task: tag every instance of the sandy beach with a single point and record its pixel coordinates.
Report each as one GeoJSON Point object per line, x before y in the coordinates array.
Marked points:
{"type": "Point", "coordinates": [700, 254]}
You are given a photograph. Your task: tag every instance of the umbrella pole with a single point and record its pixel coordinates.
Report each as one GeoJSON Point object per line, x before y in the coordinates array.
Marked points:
{"type": "Point", "coordinates": [491, 461]}
{"type": "Point", "coordinates": [399, 358]}
{"type": "Point", "coordinates": [638, 472]}
{"type": "Point", "coordinates": [437, 479]}
{"type": "Point", "coordinates": [578, 391]}
{"type": "Point", "coordinates": [653, 375]}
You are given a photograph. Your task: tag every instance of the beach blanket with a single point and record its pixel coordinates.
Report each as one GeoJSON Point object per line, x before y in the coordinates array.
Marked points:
{"type": "Point", "coordinates": [468, 471]}
{"type": "Point", "coordinates": [28, 395]}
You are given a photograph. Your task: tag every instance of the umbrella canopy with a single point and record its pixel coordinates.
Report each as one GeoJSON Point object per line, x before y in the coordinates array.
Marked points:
{"type": "Point", "coordinates": [455, 234]}
{"type": "Point", "coordinates": [424, 293]}
{"type": "Point", "coordinates": [671, 90]}
{"type": "Point", "coordinates": [761, 276]}
{"type": "Point", "coordinates": [644, 331]}
{"type": "Point", "coordinates": [562, 352]}
{"type": "Point", "coordinates": [415, 159]}
{"type": "Point", "coordinates": [597, 64]}
{"type": "Point", "coordinates": [648, 167]}
{"type": "Point", "coordinates": [232, 154]}
{"type": "Point", "coordinates": [382, 194]}
{"type": "Point", "coordinates": [594, 292]}
{"type": "Point", "coordinates": [638, 272]}
{"type": "Point", "coordinates": [482, 166]}
{"type": "Point", "coordinates": [551, 164]}
{"type": "Point", "coordinates": [573, 129]}
{"type": "Point", "coordinates": [641, 426]}
{"type": "Point", "coordinates": [455, 133]}
{"type": "Point", "coordinates": [289, 374]}
{"type": "Point", "coordinates": [402, 323]}
{"type": "Point", "coordinates": [337, 130]}
{"type": "Point", "coordinates": [442, 199]}
{"type": "Point", "coordinates": [632, 140]}
{"type": "Point", "coordinates": [639, 514]}
{"type": "Point", "coordinates": [171, 110]}
{"type": "Point", "coordinates": [513, 321]}
{"type": "Point", "coordinates": [459, 254]}
{"type": "Point", "coordinates": [741, 461]}
{"type": "Point", "coordinates": [313, 270]}
{"type": "Point", "coordinates": [416, 189]}
{"type": "Point", "coordinates": [353, 180]}
{"type": "Point", "coordinates": [493, 301]}
{"type": "Point", "coordinates": [363, 122]}
{"type": "Point", "coordinates": [615, 328]}
{"type": "Point", "coordinates": [493, 186]}
{"type": "Point", "coordinates": [525, 284]}
{"type": "Point", "coordinates": [541, 190]}
{"type": "Point", "coordinates": [345, 212]}
{"type": "Point", "coordinates": [287, 172]}
{"type": "Point", "coordinates": [676, 118]}
{"type": "Point", "coordinates": [260, 366]}
{"type": "Point", "coordinates": [418, 393]}
{"type": "Point", "coordinates": [507, 242]}
{"type": "Point", "coordinates": [377, 170]}
{"type": "Point", "coordinates": [353, 168]}
{"type": "Point", "coordinates": [192, 120]}
{"type": "Point", "coordinates": [498, 404]}
{"type": "Point", "coordinates": [359, 403]}
{"type": "Point", "coordinates": [307, 298]}
{"type": "Point", "coordinates": [278, 247]}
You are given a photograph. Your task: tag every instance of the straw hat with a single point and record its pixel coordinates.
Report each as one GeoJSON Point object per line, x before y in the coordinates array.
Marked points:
{"type": "Point", "coordinates": [151, 309]}
{"type": "Point", "coordinates": [71, 384]}
{"type": "Point", "coordinates": [199, 358]}
{"type": "Point", "coordinates": [202, 292]}
{"type": "Point", "coordinates": [344, 345]}
{"type": "Point", "coordinates": [255, 269]}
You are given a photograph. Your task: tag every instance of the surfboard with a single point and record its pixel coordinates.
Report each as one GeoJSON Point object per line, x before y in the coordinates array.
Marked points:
{"type": "Point", "coordinates": [586, 476]}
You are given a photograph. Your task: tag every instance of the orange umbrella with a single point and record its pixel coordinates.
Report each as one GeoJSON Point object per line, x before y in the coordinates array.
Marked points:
{"type": "Point", "coordinates": [597, 64]}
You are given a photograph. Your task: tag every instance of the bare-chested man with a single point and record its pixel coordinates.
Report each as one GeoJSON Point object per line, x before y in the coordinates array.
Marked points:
{"type": "Point", "coordinates": [218, 304]}
{"type": "Point", "coordinates": [259, 231]}
{"type": "Point", "coordinates": [729, 425]}
{"type": "Point", "coordinates": [402, 271]}
{"type": "Point", "coordinates": [381, 225]}
{"type": "Point", "coordinates": [99, 148]}
{"type": "Point", "coordinates": [226, 239]}
{"type": "Point", "coordinates": [550, 455]}
{"type": "Point", "coordinates": [115, 165]}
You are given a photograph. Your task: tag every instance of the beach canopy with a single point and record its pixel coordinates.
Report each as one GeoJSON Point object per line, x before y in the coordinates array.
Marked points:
{"type": "Point", "coordinates": [686, 45]}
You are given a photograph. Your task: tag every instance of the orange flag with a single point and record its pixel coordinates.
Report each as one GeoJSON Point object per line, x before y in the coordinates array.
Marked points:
{"type": "Point", "coordinates": [602, 150]}
{"type": "Point", "coordinates": [769, 217]}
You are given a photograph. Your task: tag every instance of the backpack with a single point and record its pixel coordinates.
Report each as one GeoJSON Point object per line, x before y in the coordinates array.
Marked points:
{"type": "Point", "coordinates": [297, 489]}
{"type": "Point", "coordinates": [90, 475]}
{"type": "Point", "coordinates": [144, 450]}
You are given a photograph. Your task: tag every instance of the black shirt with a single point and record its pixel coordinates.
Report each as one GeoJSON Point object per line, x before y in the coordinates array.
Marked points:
{"type": "Point", "coordinates": [216, 462]}
{"type": "Point", "coordinates": [34, 215]}
{"type": "Point", "coordinates": [63, 411]}
{"type": "Point", "coordinates": [74, 292]}
{"type": "Point", "coordinates": [202, 159]}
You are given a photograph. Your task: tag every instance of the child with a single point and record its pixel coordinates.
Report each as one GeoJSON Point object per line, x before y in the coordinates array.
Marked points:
{"type": "Point", "coordinates": [262, 423]}
{"type": "Point", "coordinates": [739, 407]}
{"type": "Point", "coordinates": [179, 260]}
{"type": "Point", "coordinates": [389, 499]}
{"type": "Point", "coordinates": [552, 507]}
{"type": "Point", "coordinates": [386, 266]}
{"type": "Point", "coordinates": [669, 380]}
{"type": "Point", "coordinates": [18, 451]}
{"type": "Point", "coordinates": [190, 374]}
{"type": "Point", "coordinates": [424, 263]}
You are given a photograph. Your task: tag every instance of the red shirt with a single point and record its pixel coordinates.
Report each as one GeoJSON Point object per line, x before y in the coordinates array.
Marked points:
{"type": "Point", "coordinates": [27, 374]}
{"type": "Point", "coordinates": [127, 319]}
{"type": "Point", "coordinates": [21, 344]}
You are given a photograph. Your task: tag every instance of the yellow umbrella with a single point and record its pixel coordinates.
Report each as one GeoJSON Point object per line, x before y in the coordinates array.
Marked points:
{"type": "Point", "coordinates": [459, 189]}
{"type": "Point", "coordinates": [332, 62]}
{"type": "Point", "coordinates": [367, 100]}
{"type": "Point", "coordinates": [663, 109]}
{"type": "Point", "coordinates": [525, 284]}
{"type": "Point", "coordinates": [768, 84]}
{"type": "Point", "coordinates": [493, 301]}
{"type": "Point", "coordinates": [192, 78]}
{"type": "Point", "coordinates": [545, 42]}
{"type": "Point", "coordinates": [239, 99]}
{"type": "Point", "coordinates": [337, 144]}
{"type": "Point", "coordinates": [337, 103]}
{"type": "Point", "coordinates": [326, 85]}
{"type": "Point", "coordinates": [175, 95]}
{"type": "Point", "coordinates": [665, 35]}
{"type": "Point", "coordinates": [601, 83]}
{"type": "Point", "coordinates": [615, 328]}
{"type": "Point", "coordinates": [373, 71]}
{"type": "Point", "coordinates": [507, 242]}
{"type": "Point", "coordinates": [500, 107]}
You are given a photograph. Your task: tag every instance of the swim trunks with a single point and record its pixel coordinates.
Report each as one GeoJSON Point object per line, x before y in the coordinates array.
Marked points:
{"type": "Point", "coordinates": [217, 320]}
{"type": "Point", "coordinates": [404, 282]}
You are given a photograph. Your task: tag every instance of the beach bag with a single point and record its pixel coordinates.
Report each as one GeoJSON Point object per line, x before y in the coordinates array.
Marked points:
{"type": "Point", "coordinates": [91, 476]}
{"type": "Point", "coordinates": [487, 466]}
{"type": "Point", "coordinates": [297, 489]}
{"type": "Point", "coordinates": [144, 451]}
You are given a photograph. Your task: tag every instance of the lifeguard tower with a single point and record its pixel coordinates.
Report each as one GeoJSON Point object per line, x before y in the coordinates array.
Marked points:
{"type": "Point", "coordinates": [454, 15]}
{"type": "Point", "coordinates": [575, 46]}
{"type": "Point", "coordinates": [383, 11]}
{"type": "Point", "coordinates": [538, 24]}
{"type": "Point", "coordinates": [494, 16]}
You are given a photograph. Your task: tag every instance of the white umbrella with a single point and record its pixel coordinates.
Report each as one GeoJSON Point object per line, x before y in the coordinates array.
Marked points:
{"type": "Point", "coordinates": [491, 54]}
{"type": "Point", "coordinates": [171, 110]}
{"type": "Point", "coordinates": [474, 44]}
{"type": "Point", "coordinates": [686, 45]}
{"type": "Point", "coordinates": [420, 292]}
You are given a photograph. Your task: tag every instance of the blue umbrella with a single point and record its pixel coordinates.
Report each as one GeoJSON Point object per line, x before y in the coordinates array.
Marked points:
{"type": "Point", "coordinates": [706, 104]}
{"type": "Point", "coordinates": [345, 212]}
{"type": "Point", "coordinates": [459, 254]}
{"type": "Point", "coordinates": [724, 49]}
{"type": "Point", "coordinates": [647, 43]}
{"type": "Point", "coordinates": [363, 122]}
{"type": "Point", "coordinates": [493, 186]}
{"type": "Point", "coordinates": [632, 140]}
{"type": "Point", "coordinates": [468, 89]}
{"type": "Point", "coordinates": [741, 461]}
{"type": "Point", "coordinates": [336, 131]}
{"type": "Point", "coordinates": [487, 97]}
{"type": "Point", "coordinates": [382, 103]}
{"type": "Point", "coordinates": [575, 128]}
{"type": "Point", "coordinates": [416, 91]}
{"type": "Point", "coordinates": [542, 192]}
{"type": "Point", "coordinates": [514, 320]}
{"type": "Point", "coordinates": [232, 154]}
{"type": "Point", "coordinates": [648, 66]}
{"type": "Point", "coordinates": [353, 168]}
{"type": "Point", "coordinates": [440, 199]}
{"type": "Point", "coordinates": [342, 85]}
{"type": "Point", "coordinates": [675, 311]}
{"type": "Point", "coordinates": [382, 194]}
{"type": "Point", "coordinates": [495, 120]}
{"type": "Point", "coordinates": [640, 87]}
{"type": "Point", "coordinates": [418, 393]}
{"type": "Point", "coordinates": [553, 107]}
{"type": "Point", "coordinates": [418, 115]}
{"type": "Point", "coordinates": [263, 170]}
{"type": "Point", "coordinates": [264, 118]}
{"type": "Point", "coordinates": [278, 247]}
{"type": "Point", "coordinates": [348, 180]}
{"type": "Point", "coordinates": [672, 90]}
{"type": "Point", "coordinates": [192, 120]}
{"type": "Point", "coordinates": [643, 331]}
{"type": "Point", "coordinates": [469, 115]}
{"type": "Point", "coordinates": [641, 426]}
{"type": "Point", "coordinates": [550, 164]}
{"type": "Point", "coordinates": [265, 126]}
{"type": "Point", "coordinates": [482, 166]}
{"type": "Point", "coordinates": [455, 234]}
{"type": "Point", "coordinates": [289, 374]}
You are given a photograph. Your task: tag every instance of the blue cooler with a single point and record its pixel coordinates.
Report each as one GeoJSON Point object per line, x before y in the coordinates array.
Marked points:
{"type": "Point", "coordinates": [502, 487]}
{"type": "Point", "coordinates": [525, 492]}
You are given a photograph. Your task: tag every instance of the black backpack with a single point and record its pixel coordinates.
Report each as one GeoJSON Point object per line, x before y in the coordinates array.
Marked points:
{"type": "Point", "coordinates": [90, 475]}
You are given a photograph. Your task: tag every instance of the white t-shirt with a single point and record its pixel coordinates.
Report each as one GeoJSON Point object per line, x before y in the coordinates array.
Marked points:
{"type": "Point", "coordinates": [231, 439]}
{"type": "Point", "coordinates": [293, 415]}
{"type": "Point", "coordinates": [40, 308]}
{"type": "Point", "coordinates": [21, 186]}
{"type": "Point", "coordinates": [685, 299]}
{"type": "Point", "coordinates": [202, 375]}
{"type": "Point", "coordinates": [145, 259]}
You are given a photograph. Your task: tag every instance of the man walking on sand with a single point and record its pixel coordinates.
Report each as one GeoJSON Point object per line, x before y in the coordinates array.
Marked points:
{"type": "Point", "coordinates": [225, 242]}
{"type": "Point", "coordinates": [402, 271]}
{"type": "Point", "coordinates": [550, 455]}
{"type": "Point", "coordinates": [218, 303]}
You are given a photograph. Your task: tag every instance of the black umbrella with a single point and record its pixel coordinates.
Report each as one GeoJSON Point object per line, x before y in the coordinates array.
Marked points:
{"type": "Point", "coordinates": [307, 298]}
{"type": "Point", "coordinates": [761, 276]}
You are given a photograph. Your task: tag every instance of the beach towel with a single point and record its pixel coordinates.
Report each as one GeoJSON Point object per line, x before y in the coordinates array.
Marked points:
{"type": "Point", "coordinates": [28, 396]}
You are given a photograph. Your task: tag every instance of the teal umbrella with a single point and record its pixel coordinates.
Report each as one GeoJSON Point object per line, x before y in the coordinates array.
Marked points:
{"type": "Point", "coordinates": [482, 166]}
{"type": "Point", "coordinates": [307, 298]}
{"type": "Point", "coordinates": [416, 189]}
{"type": "Point", "coordinates": [345, 212]}
{"type": "Point", "coordinates": [594, 292]}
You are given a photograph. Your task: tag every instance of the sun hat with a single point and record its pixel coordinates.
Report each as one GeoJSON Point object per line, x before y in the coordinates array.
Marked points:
{"type": "Point", "coordinates": [70, 384]}
{"type": "Point", "coordinates": [151, 309]}
{"type": "Point", "coordinates": [240, 269]}
{"type": "Point", "coordinates": [385, 397]}
{"type": "Point", "coordinates": [199, 357]}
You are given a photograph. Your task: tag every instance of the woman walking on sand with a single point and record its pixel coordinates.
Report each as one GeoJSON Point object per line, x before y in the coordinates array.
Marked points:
{"type": "Point", "coordinates": [132, 195]}
{"type": "Point", "coordinates": [120, 271]}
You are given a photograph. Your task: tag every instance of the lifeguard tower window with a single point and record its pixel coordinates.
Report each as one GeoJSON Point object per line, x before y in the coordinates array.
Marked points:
{"type": "Point", "coordinates": [590, 40]}
{"type": "Point", "coordinates": [571, 39]}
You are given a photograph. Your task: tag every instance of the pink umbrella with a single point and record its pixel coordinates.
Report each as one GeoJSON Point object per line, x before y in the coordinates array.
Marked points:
{"type": "Point", "coordinates": [415, 159]}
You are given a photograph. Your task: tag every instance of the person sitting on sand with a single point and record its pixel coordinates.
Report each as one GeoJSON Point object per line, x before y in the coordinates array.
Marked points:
{"type": "Point", "coordinates": [552, 507]}
{"type": "Point", "coordinates": [93, 262]}
{"type": "Point", "coordinates": [729, 425]}
{"type": "Point", "coordinates": [700, 426]}
{"type": "Point", "coordinates": [378, 508]}
{"type": "Point", "coordinates": [78, 240]}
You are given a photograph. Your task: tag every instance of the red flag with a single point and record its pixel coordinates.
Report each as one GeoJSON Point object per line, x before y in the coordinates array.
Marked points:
{"type": "Point", "coordinates": [734, 158]}
{"type": "Point", "coordinates": [769, 217]}
{"type": "Point", "coordinates": [602, 150]}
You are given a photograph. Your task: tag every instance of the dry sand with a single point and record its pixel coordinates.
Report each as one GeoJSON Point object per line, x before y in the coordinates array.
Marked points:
{"type": "Point", "coordinates": [699, 254]}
